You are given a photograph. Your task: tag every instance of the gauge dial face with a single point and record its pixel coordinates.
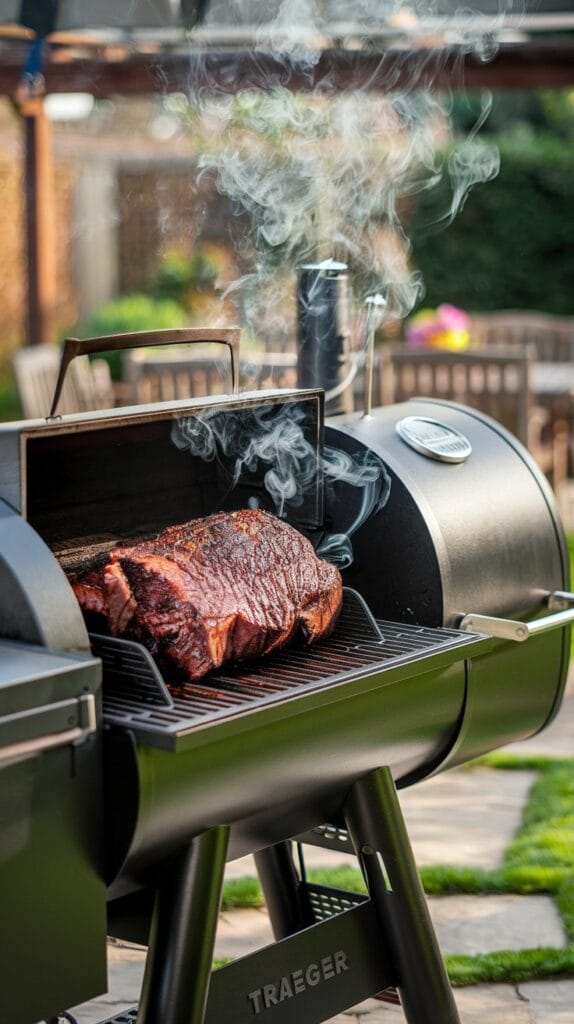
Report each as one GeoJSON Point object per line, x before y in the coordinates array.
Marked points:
{"type": "Point", "coordinates": [434, 439]}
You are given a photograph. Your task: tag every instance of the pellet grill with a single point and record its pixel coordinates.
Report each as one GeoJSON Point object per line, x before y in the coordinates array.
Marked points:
{"type": "Point", "coordinates": [122, 798]}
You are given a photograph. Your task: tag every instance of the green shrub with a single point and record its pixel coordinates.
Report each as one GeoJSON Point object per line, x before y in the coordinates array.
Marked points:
{"type": "Point", "coordinates": [510, 247]}
{"type": "Point", "coordinates": [132, 313]}
{"type": "Point", "coordinates": [10, 408]}
{"type": "Point", "coordinates": [180, 275]}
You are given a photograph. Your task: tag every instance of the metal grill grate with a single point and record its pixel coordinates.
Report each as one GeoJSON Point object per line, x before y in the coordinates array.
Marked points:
{"type": "Point", "coordinates": [130, 671]}
{"type": "Point", "coordinates": [358, 648]}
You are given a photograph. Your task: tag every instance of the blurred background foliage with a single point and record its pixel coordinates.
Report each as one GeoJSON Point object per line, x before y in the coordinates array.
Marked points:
{"type": "Point", "coordinates": [177, 295]}
{"type": "Point", "coordinates": [130, 313]}
{"type": "Point", "coordinates": [510, 246]}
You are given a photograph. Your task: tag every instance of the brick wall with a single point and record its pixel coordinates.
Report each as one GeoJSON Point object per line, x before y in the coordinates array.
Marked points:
{"type": "Point", "coordinates": [12, 288]}
{"type": "Point", "coordinates": [13, 235]}
{"type": "Point", "coordinates": [160, 208]}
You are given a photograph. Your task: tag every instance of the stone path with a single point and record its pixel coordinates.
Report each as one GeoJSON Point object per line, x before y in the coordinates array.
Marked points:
{"type": "Point", "coordinates": [464, 818]}
{"type": "Point", "coordinates": [464, 924]}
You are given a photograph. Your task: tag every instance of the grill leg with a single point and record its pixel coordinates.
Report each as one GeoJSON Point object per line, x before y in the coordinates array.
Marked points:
{"type": "Point", "coordinates": [182, 936]}
{"type": "Point", "coordinates": [377, 826]}
{"type": "Point", "coordinates": [284, 895]}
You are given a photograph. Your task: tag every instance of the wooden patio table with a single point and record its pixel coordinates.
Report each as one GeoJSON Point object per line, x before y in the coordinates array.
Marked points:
{"type": "Point", "coordinates": [553, 380]}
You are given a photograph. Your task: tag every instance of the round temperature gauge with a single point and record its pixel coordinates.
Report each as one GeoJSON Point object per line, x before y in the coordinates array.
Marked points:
{"type": "Point", "coordinates": [434, 439]}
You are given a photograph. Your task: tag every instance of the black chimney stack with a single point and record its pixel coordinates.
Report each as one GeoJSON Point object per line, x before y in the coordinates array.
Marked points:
{"type": "Point", "coordinates": [323, 349]}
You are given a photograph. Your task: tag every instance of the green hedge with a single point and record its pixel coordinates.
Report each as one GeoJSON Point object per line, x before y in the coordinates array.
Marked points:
{"type": "Point", "coordinates": [128, 313]}
{"type": "Point", "coordinates": [511, 246]}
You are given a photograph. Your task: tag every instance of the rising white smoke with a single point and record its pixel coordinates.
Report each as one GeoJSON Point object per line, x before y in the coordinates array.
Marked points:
{"type": "Point", "coordinates": [275, 445]}
{"type": "Point", "coordinates": [327, 173]}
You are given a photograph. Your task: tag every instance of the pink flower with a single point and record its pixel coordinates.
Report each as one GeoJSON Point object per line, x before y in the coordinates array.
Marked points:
{"type": "Point", "coordinates": [443, 327]}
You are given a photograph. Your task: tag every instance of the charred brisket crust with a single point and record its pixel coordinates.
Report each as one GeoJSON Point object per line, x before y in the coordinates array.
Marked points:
{"type": "Point", "coordinates": [232, 585]}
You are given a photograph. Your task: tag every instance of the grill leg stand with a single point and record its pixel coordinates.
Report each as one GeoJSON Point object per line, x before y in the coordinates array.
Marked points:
{"type": "Point", "coordinates": [182, 937]}
{"type": "Point", "coordinates": [284, 897]}
{"type": "Point", "coordinates": [377, 826]}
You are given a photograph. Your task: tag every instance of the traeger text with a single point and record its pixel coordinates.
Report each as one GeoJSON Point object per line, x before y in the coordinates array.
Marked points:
{"type": "Point", "coordinates": [293, 984]}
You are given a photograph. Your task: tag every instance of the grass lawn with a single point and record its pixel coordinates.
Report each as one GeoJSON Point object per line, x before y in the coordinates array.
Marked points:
{"type": "Point", "coordinates": [540, 859]}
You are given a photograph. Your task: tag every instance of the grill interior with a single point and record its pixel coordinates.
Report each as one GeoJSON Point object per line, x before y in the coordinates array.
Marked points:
{"type": "Point", "coordinates": [135, 695]}
{"type": "Point", "coordinates": [130, 475]}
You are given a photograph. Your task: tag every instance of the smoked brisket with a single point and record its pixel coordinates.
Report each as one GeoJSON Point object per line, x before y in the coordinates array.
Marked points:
{"type": "Point", "coordinates": [232, 585]}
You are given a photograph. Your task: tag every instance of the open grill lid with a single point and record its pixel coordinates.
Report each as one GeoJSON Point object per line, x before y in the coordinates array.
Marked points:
{"type": "Point", "coordinates": [96, 479]}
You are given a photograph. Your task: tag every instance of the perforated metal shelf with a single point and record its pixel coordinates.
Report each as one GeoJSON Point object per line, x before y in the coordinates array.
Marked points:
{"type": "Point", "coordinates": [326, 901]}
{"type": "Point", "coordinates": [127, 1017]}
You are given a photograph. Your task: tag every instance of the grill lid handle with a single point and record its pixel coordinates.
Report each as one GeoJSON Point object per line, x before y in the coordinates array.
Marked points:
{"type": "Point", "coordinates": [514, 629]}
{"type": "Point", "coordinates": [72, 347]}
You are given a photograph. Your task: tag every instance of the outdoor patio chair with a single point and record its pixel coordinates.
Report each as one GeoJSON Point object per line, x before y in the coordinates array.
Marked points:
{"type": "Point", "coordinates": [552, 336]}
{"type": "Point", "coordinates": [496, 382]}
{"type": "Point", "coordinates": [172, 374]}
{"type": "Point", "coordinates": [87, 386]}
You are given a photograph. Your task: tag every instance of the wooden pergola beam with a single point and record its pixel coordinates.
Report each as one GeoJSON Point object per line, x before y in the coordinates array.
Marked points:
{"type": "Point", "coordinates": [539, 64]}
{"type": "Point", "coordinates": [39, 221]}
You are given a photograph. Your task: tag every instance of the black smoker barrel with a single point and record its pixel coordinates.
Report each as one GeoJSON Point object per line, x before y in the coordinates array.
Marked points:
{"type": "Point", "coordinates": [323, 356]}
{"type": "Point", "coordinates": [128, 827]}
